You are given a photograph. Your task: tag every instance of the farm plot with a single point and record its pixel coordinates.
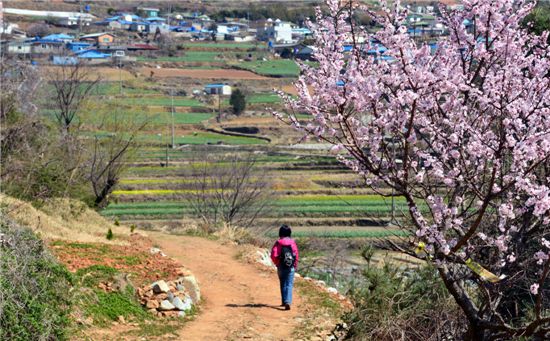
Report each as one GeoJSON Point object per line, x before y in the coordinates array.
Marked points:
{"type": "Point", "coordinates": [277, 67]}
{"type": "Point", "coordinates": [201, 137]}
{"type": "Point", "coordinates": [201, 74]}
{"type": "Point", "coordinates": [223, 45]}
{"type": "Point", "coordinates": [180, 118]}
{"type": "Point", "coordinates": [160, 102]}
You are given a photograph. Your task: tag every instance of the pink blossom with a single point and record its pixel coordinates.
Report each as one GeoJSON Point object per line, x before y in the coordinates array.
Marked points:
{"type": "Point", "coordinates": [534, 288]}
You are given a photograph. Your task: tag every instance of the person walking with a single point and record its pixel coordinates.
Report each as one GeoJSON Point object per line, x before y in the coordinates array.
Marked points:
{"type": "Point", "coordinates": [284, 255]}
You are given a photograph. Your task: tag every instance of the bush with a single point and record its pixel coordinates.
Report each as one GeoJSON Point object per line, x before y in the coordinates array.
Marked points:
{"type": "Point", "coordinates": [392, 303]}
{"type": "Point", "coordinates": [109, 235]}
{"type": "Point", "coordinates": [237, 101]}
{"type": "Point", "coordinates": [34, 299]}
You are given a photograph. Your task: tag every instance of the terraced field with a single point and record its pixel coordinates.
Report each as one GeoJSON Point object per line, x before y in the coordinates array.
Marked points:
{"type": "Point", "coordinates": [312, 191]}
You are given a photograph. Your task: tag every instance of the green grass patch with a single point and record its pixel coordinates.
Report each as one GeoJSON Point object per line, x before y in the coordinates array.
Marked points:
{"type": "Point", "coordinates": [189, 56]}
{"type": "Point", "coordinates": [347, 234]}
{"type": "Point", "coordinates": [161, 101]}
{"type": "Point", "coordinates": [181, 118]}
{"type": "Point", "coordinates": [203, 138]}
{"type": "Point", "coordinates": [223, 45]}
{"type": "Point", "coordinates": [278, 67]}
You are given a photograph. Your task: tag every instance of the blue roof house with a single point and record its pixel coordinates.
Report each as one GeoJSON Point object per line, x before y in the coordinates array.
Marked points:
{"type": "Point", "coordinates": [92, 54]}
{"type": "Point", "coordinates": [217, 89]}
{"type": "Point", "coordinates": [61, 36]}
{"type": "Point", "coordinates": [78, 46]}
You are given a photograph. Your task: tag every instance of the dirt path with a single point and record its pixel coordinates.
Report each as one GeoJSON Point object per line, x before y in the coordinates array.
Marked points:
{"type": "Point", "coordinates": [240, 300]}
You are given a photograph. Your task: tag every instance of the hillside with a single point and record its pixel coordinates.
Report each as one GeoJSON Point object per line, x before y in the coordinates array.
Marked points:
{"type": "Point", "coordinates": [110, 280]}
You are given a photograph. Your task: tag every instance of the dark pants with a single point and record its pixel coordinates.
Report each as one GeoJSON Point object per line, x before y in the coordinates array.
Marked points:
{"type": "Point", "coordinates": [286, 279]}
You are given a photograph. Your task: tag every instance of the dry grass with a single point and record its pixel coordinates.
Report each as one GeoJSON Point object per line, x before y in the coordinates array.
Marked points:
{"type": "Point", "coordinates": [63, 219]}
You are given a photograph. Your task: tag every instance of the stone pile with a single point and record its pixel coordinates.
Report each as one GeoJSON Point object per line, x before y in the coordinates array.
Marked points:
{"type": "Point", "coordinates": [171, 298]}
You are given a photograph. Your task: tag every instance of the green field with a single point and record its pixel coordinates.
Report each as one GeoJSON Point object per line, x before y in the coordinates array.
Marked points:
{"type": "Point", "coordinates": [181, 118]}
{"type": "Point", "coordinates": [189, 56]}
{"type": "Point", "coordinates": [161, 101]}
{"type": "Point", "coordinates": [347, 234]}
{"type": "Point", "coordinates": [263, 98]}
{"type": "Point", "coordinates": [201, 137]}
{"type": "Point", "coordinates": [278, 67]}
{"type": "Point", "coordinates": [220, 45]}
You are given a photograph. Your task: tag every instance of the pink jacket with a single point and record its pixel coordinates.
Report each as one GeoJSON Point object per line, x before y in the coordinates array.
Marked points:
{"type": "Point", "coordinates": [276, 250]}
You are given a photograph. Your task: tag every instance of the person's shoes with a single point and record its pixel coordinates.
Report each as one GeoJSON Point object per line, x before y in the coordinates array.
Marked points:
{"type": "Point", "coordinates": [287, 306]}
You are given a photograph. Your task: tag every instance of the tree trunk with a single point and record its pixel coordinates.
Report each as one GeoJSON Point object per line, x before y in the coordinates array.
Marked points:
{"type": "Point", "coordinates": [101, 199]}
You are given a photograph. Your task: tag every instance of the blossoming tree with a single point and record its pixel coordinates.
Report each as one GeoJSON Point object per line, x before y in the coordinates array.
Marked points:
{"type": "Point", "coordinates": [462, 132]}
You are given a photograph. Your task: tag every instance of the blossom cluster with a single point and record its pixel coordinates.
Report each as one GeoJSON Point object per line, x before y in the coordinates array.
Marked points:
{"type": "Point", "coordinates": [460, 129]}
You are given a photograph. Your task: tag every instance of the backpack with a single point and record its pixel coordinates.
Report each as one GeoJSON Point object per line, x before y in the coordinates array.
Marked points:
{"type": "Point", "coordinates": [286, 258]}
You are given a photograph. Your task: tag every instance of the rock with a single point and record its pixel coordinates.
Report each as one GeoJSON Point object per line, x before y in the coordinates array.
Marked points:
{"type": "Point", "coordinates": [148, 293]}
{"type": "Point", "coordinates": [152, 304]}
{"type": "Point", "coordinates": [191, 284]}
{"type": "Point", "coordinates": [166, 305]}
{"type": "Point", "coordinates": [121, 319]}
{"type": "Point", "coordinates": [183, 305]}
{"type": "Point", "coordinates": [320, 283]}
{"type": "Point", "coordinates": [181, 314]}
{"type": "Point", "coordinates": [183, 272]}
{"type": "Point", "coordinates": [180, 287]}
{"type": "Point", "coordinates": [332, 290]}
{"type": "Point", "coordinates": [155, 250]}
{"type": "Point", "coordinates": [307, 278]}
{"type": "Point", "coordinates": [160, 287]}
{"type": "Point", "coordinates": [170, 297]}
{"type": "Point", "coordinates": [297, 275]}
{"type": "Point", "coordinates": [161, 297]}
{"type": "Point", "coordinates": [152, 311]}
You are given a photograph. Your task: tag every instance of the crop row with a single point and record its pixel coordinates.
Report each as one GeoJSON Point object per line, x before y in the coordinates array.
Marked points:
{"type": "Point", "coordinates": [347, 234]}
{"type": "Point", "coordinates": [275, 210]}
{"type": "Point", "coordinates": [344, 200]}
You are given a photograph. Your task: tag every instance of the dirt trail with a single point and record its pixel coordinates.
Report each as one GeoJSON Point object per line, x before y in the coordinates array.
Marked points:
{"type": "Point", "coordinates": [240, 300]}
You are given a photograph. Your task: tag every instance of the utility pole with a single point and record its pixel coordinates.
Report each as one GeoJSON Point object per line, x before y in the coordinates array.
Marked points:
{"type": "Point", "coordinates": [172, 95]}
{"type": "Point", "coordinates": [219, 105]}
{"type": "Point", "coordinates": [80, 20]}
{"type": "Point", "coordinates": [120, 75]}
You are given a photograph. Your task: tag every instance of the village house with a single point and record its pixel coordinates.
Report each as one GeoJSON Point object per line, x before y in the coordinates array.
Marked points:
{"type": "Point", "coordinates": [217, 89]}
{"type": "Point", "coordinates": [22, 47]}
{"type": "Point", "coordinates": [277, 31]}
{"type": "Point", "coordinates": [148, 11]}
{"type": "Point", "coordinates": [99, 38]}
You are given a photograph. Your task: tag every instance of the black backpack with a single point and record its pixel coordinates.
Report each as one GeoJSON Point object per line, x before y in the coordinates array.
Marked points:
{"type": "Point", "coordinates": [286, 258]}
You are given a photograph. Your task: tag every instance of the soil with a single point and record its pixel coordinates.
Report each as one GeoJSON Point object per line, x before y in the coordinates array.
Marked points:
{"type": "Point", "coordinates": [200, 74]}
{"type": "Point", "coordinates": [134, 259]}
{"type": "Point", "coordinates": [241, 301]}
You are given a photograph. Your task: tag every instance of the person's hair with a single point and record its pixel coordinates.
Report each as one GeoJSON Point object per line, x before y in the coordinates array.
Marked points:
{"type": "Point", "coordinates": [284, 231]}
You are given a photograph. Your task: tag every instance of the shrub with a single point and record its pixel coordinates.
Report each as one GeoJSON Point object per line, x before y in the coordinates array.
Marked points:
{"type": "Point", "coordinates": [391, 303]}
{"type": "Point", "coordinates": [35, 299]}
{"type": "Point", "coordinates": [132, 228]}
{"type": "Point", "coordinates": [237, 101]}
{"type": "Point", "coordinates": [109, 235]}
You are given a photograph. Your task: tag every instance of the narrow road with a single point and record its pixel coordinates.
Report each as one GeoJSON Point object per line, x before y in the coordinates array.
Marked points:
{"type": "Point", "coordinates": [240, 301]}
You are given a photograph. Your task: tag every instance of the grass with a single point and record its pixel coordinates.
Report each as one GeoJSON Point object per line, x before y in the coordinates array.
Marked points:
{"type": "Point", "coordinates": [278, 67]}
{"type": "Point", "coordinates": [189, 56]}
{"type": "Point", "coordinates": [105, 307]}
{"type": "Point", "coordinates": [113, 88]}
{"type": "Point", "coordinates": [181, 118]}
{"type": "Point", "coordinates": [161, 101]}
{"type": "Point", "coordinates": [263, 98]}
{"type": "Point", "coordinates": [347, 234]}
{"type": "Point", "coordinates": [223, 45]}
{"type": "Point", "coordinates": [200, 137]}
